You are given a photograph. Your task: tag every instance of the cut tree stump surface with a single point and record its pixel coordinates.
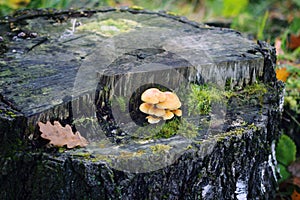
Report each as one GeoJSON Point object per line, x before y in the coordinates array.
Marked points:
{"type": "Point", "coordinates": [89, 68]}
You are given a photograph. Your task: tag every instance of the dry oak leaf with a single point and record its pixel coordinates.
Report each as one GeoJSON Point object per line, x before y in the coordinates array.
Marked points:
{"type": "Point", "coordinates": [60, 136]}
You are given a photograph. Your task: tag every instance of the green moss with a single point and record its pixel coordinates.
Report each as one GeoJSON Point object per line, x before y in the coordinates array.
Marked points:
{"type": "Point", "coordinates": [237, 131]}
{"type": "Point", "coordinates": [110, 27]}
{"type": "Point", "coordinates": [46, 90]}
{"type": "Point", "coordinates": [172, 13]}
{"type": "Point", "coordinates": [83, 154]}
{"type": "Point", "coordinates": [176, 126]}
{"type": "Point", "coordinates": [61, 149]}
{"type": "Point", "coordinates": [85, 121]}
{"type": "Point", "coordinates": [189, 147]}
{"type": "Point", "coordinates": [168, 129]}
{"type": "Point", "coordinates": [100, 157]}
{"type": "Point", "coordinates": [11, 114]}
{"type": "Point", "coordinates": [257, 90]}
{"type": "Point", "coordinates": [187, 130]}
{"type": "Point", "coordinates": [252, 93]}
{"type": "Point", "coordinates": [135, 7]}
{"type": "Point", "coordinates": [143, 132]}
{"type": "Point", "coordinates": [5, 73]}
{"type": "Point", "coordinates": [253, 127]}
{"type": "Point", "coordinates": [202, 97]}
{"type": "Point", "coordinates": [254, 89]}
{"type": "Point", "coordinates": [160, 148]}
{"type": "Point", "coordinates": [126, 154]}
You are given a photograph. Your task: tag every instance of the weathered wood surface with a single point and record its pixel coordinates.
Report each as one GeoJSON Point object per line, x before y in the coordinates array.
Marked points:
{"type": "Point", "coordinates": [72, 66]}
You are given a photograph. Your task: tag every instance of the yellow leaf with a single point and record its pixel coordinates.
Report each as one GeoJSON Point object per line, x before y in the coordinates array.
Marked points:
{"type": "Point", "coordinates": [282, 74]}
{"type": "Point", "coordinates": [15, 4]}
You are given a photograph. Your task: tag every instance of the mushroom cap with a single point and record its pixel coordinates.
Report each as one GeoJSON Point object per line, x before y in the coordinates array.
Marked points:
{"type": "Point", "coordinates": [145, 107]}
{"type": "Point", "coordinates": [168, 115]}
{"type": "Point", "coordinates": [177, 112]}
{"type": "Point", "coordinates": [153, 96]}
{"type": "Point", "coordinates": [156, 111]}
{"type": "Point", "coordinates": [152, 120]}
{"type": "Point", "coordinates": [172, 102]}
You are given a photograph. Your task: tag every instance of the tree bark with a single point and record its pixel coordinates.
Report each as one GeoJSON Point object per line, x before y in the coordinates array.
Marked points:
{"type": "Point", "coordinates": [89, 68]}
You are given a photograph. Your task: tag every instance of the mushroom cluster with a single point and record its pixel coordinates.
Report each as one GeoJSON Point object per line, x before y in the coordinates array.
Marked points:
{"type": "Point", "coordinates": [160, 105]}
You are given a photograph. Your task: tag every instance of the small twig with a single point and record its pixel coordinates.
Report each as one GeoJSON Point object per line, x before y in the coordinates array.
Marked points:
{"type": "Point", "coordinates": [293, 118]}
{"type": "Point", "coordinates": [43, 40]}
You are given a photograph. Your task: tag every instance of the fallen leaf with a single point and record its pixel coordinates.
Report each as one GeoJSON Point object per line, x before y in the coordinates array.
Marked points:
{"type": "Point", "coordinates": [293, 41]}
{"type": "Point", "coordinates": [295, 181]}
{"type": "Point", "coordinates": [60, 136]}
{"type": "Point", "coordinates": [282, 74]}
{"type": "Point", "coordinates": [295, 195]}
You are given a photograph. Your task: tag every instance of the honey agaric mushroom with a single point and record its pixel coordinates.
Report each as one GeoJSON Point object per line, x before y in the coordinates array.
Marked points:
{"type": "Point", "coordinates": [153, 96]}
{"type": "Point", "coordinates": [177, 112]}
{"type": "Point", "coordinates": [157, 112]}
{"type": "Point", "coordinates": [168, 115]}
{"type": "Point", "coordinates": [172, 102]}
{"type": "Point", "coordinates": [152, 120]}
{"type": "Point", "coordinates": [145, 107]}
{"type": "Point", "coordinates": [160, 105]}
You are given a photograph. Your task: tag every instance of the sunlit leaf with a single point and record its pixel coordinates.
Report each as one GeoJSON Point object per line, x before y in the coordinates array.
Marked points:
{"type": "Point", "coordinates": [282, 74]}
{"type": "Point", "coordinates": [285, 150]}
{"type": "Point", "coordinates": [285, 174]}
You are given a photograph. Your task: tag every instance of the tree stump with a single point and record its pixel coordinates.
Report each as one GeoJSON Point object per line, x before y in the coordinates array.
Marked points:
{"type": "Point", "coordinates": [88, 69]}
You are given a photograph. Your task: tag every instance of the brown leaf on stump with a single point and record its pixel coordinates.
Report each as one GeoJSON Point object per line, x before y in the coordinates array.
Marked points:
{"type": "Point", "coordinates": [60, 136]}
